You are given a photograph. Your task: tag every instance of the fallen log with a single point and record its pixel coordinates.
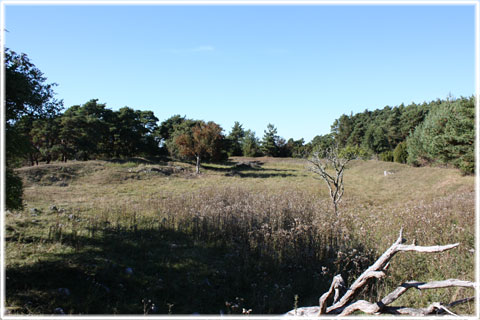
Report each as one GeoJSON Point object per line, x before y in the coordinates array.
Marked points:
{"type": "Point", "coordinates": [345, 305]}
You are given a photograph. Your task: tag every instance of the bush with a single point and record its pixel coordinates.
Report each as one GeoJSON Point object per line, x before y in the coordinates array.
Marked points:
{"type": "Point", "coordinates": [13, 190]}
{"type": "Point", "coordinates": [400, 153]}
{"type": "Point", "coordinates": [386, 156]}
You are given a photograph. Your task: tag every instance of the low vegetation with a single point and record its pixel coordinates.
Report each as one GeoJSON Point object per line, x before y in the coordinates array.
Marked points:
{"type": "Point", "coordinates": [136, 237]}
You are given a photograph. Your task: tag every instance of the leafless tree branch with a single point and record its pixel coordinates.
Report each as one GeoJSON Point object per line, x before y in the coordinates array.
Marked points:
{"type": "Point", "coordinates": [345, 306]}
{"type": "Point", "coordinates": [319, 163]}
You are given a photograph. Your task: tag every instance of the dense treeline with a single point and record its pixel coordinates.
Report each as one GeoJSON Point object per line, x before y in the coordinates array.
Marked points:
{"type": "Point", "coordinates": [441, 131]}
{"type": "Point", "coordinates": [90, 131]}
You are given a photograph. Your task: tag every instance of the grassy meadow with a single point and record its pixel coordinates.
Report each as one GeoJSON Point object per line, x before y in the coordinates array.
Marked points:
{"type": "Point", "coordinates": [134, 237]}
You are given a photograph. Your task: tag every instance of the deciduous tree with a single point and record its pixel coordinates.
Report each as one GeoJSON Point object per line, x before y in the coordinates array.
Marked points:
{"type": "Point", "coordinates": [28, 96]}
{"type": "Point", "coordinates": [204, 141]}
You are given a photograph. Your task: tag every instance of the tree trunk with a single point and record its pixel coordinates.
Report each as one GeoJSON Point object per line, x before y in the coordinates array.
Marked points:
{"type": "Point", "coordinates": [198, 165]}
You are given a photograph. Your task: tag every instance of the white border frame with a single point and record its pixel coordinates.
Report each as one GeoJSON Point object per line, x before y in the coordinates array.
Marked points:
{"type": "Point", "coordinates": [3, 3]}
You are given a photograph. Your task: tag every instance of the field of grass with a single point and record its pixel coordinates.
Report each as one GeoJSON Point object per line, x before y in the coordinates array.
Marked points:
{"type": "Point", "coordinates": [134, 237]}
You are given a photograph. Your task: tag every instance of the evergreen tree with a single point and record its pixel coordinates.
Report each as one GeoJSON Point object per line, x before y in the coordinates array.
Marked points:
{"type": "Point", "coordinates": [165, 132]}
{"type": "Point", "coordinates": [250, 144]}
{"type": "Point", "coordinates": [235, 140]}
{"type": "Point", "coordinates": [269, 141]}
{"type": "Point", "coordinates": [446, 136]}
{"type": "Point", "coordinates": [296, 148]}
{"type": "Point", "coordinates": [400, 153]}
{"type": "Point", "coordinates": [323, 142]}
{"type": "Point", "coordinates": [342, 129]}
{"type": "Point", "coordinates": [45, 138]}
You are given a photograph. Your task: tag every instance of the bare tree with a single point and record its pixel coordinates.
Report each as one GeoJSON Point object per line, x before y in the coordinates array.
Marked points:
{"type": "Point", "coordinates": [344, 305]}
{"type": "Point", "coordinates": [335, 159]}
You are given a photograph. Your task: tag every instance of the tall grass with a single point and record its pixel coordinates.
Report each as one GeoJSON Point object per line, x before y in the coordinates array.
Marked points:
{"type": "Point", "coordinates": [215, 244]}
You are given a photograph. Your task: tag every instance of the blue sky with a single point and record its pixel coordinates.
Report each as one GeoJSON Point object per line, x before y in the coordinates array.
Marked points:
{"type": "Point", "coordinates": [297, 67]}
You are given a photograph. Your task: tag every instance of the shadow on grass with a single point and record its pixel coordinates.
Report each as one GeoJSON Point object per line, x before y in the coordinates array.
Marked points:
{"type": "Point", "coordinates": [262, 175]}
{"type": "Point", "coordinates": [136, 160]}
{"type": "Point", "coordinates": [161, 271]}
{"type": "Point", "coordinates": [246, 170]}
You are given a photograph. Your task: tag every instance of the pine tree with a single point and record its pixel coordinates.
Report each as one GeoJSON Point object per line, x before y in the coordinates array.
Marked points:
{"type": "Point", "coordinates": [250, 144]}
{"type": "Point", "coordinates": [446, 136]}
{"type": "Point", "coordinates": [235, 140]}
{"type": "Point", "coordinates": [269, 141]}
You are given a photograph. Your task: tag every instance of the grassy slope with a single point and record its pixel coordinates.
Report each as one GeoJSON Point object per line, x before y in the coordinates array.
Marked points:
{"type": "Point", "coordinates": [219, 242]}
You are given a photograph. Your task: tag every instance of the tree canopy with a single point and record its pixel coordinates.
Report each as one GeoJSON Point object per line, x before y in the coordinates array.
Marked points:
{"type": "Point", "coordinates": [27, 97]}
{"type": "Point", "coordinates": [204, 141]}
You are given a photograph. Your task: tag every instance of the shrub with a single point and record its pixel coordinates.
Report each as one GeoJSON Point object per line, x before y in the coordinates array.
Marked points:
{"type": "Point", "coordinates": [386, 156]}
{"type": "Point", "coordinates": [400, 153]}
{"type": "Point", "coordinates": [13, 190]}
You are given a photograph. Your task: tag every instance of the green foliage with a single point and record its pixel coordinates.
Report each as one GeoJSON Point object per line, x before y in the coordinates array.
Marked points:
{"type": "Point", "coordinates": [182, 127]}
{"type": "Point", "coordinates": [446, 136]}
{"type": "Point", "coordinates": [13, 190]}
{"type": "Point", "coordinates": [283, 149]}
{"type": "Point", "coordinates": [386, 156]}
{"type": "Point", "coordinates": [353, 152]}
{"type": "Point", "coordinates": [400, 153]}
{"type": "Point", "coordinates": [17, 146]}
{"type": "Point", "coordinates": [320, 143]}
{"type": "Point", "coordinates": [45, 137]}
{"type": "Point", "coordinates": [376, 139]}
{"type": "Point", "coordinates": [204, 141]}
{"type": "Point", "coordinates": [26, 90]}
{"type": "Point", "coordinates": [382, 129]}
{"type": "Point", "coordinates": [342, 129]}
{"type": "Point", "coordinates": [91, 131]}
{"type": "Point", "coordinates": [27, 97]}
{"type": "Point", "coordinates": [235, 140]}
{"type": "Point", "coordinates": [250, 144]}
{"type": "Point", "coordinates": [269, 142]}
{"type": "Point", "coordinates": [296, 148]}
{"type": "Point", "coordinates": [36, 131]}
{"type": "Point", "coordinates": [441, 131]}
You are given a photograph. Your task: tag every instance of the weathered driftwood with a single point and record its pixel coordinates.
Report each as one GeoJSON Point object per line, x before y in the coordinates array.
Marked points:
{"type": "Point", "coordinates": [345, 305]}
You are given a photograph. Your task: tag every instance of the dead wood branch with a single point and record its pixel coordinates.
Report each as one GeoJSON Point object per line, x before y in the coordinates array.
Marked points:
{"type": "Point", "coordinates": [345, 306]}
{"type": "Point", "coordinates": [331, 157]}
{"type": "Point", "coordinates": [337, 284]}
{"type": "Point", "coordinates": [380, 307]}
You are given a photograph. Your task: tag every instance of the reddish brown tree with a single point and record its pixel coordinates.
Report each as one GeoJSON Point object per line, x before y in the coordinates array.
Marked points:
{"type": "Point", "coordinates": [205, 140]}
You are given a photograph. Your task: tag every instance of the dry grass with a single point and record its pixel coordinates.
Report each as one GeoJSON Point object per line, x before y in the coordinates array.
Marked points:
{"type": "Point", "coordinates": [223, 241]}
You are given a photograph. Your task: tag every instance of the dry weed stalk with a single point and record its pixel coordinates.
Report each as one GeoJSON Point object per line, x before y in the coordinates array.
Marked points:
{"type": "Point", "coordinates": [344, 305]}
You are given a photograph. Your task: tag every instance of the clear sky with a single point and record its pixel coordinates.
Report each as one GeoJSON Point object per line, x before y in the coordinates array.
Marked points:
{"type": "Point", "coordinates": [297, 67]}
